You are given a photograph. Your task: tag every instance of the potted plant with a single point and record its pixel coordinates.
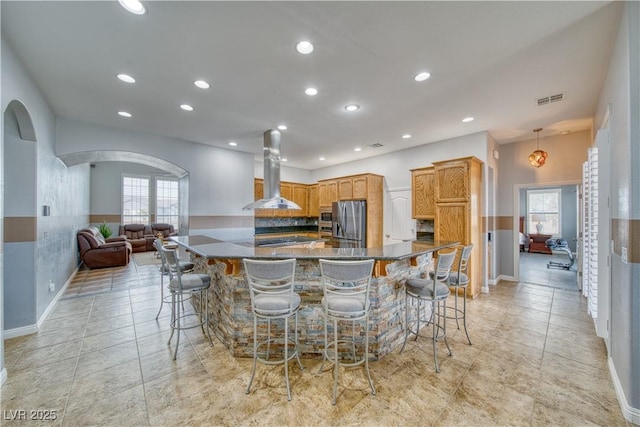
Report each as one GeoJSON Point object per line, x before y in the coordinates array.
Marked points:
{"type": "Point", "coordinates": [105, 230]}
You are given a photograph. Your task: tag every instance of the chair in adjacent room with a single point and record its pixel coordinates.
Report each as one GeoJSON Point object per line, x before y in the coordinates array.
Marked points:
{"type": "Point", "coordinates": [346, 287]}
{"type": "Point", "coordinates": [181, 286]}
{"type": "Point", "coordinates": [460, 280]}
{"type": "Point", "coordinates": [434, 291]}
{"type": "Point", "coordinates": [185, 267]}
{"type": "Point", "coordinates": [271, 286]}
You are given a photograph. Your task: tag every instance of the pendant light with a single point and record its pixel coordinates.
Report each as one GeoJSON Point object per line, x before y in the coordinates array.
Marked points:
{"type": "Point", "coordinates": [538, 157]}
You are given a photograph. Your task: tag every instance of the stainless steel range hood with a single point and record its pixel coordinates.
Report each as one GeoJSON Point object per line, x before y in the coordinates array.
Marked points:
{"type": "Point", "coordinates": [272, 199]}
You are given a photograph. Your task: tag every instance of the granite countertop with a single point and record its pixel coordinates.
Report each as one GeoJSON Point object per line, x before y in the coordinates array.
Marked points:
{"type": "Point", "coordinates": [213, 248]}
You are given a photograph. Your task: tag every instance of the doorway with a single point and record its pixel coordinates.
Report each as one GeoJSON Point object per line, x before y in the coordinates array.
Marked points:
{"type": "Point", "coordinates": [539, 264]}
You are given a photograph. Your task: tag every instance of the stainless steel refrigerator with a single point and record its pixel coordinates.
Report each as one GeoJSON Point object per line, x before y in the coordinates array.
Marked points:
{"type": "Point", "coordinates": [349, 228]}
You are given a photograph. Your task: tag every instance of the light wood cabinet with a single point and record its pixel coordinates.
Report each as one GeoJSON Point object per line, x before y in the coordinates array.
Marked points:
{"type": "Point", "coordinates": [328, 192]}
{"type": "Point", "coordinates": [313, 203]}
{"type": "Point", "coordinates": [345, 188]}
{"type": "Point", "coordinates": [360, 186]}
{"type": "Point", "coordinates": [458, 211]}
{"type": "Point", "coordinates": [423, 197]}
{"type": "Point", "coordinates": [295, 192]}
{"type": "Point", "coordinates": [300, 196]}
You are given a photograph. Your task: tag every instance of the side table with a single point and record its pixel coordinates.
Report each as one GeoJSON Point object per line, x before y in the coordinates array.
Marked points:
{"type": "Point", "coordinates": [538, 243]}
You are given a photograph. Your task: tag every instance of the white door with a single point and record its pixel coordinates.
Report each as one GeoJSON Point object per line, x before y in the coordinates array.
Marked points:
{"type": "Point", "coordinates": [399, 226]}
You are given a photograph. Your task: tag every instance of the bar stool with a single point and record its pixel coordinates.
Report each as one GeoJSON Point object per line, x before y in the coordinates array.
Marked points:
{"type": "Point", "coordinates": [181, 286]}
{"type": "Point", "coordinates": [346, 298]}
{"type": "Point", "coordinates": [460, 280]}
{"type": "Point", "coordinates": [185, 267]}
{"type": "Point", "coordinates": [435, 292]}
{"type": "Point", "coordinates": [271, 285]}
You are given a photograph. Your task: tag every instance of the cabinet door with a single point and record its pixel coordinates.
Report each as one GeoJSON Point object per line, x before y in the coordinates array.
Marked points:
{"type": "Point", "coordinates": [328, 192]}
{"type": "Point", "coordinates": [258, 193]}
{"type": "Point", "coordinates": [452, 182]}
{"type": "Point", "coordinates": [345, 189]}
{"type": "Point", "coordinates": [452, 222]}
{"type": "Point", "coordinates": [423, 193]}
{"type": "Point", "coordinates": [360, 187]}
{"type": "Point", "coordinates": [312, 206]}
{"type": "Point", "coordinates": [300, 196]}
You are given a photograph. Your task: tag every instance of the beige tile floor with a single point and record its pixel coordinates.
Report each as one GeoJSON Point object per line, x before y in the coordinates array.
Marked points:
{"type": "Point", "coordinates": [101, 358]}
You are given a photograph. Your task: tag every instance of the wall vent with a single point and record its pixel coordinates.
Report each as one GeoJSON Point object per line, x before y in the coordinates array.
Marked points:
{"type": "Point", "coordinates": [549, 99]}
{"type": "Point", "coordinates": [376, 145]}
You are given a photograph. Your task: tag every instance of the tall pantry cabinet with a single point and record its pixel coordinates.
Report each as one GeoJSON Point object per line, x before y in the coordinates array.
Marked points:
{"type": "Point", "coordinates": [458, 210]}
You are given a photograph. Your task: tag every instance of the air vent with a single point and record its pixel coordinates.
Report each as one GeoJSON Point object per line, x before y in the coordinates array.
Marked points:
{"type": "Point", "coordinates": [549, 99]}
{"type": "Point", "coordinates": [376, 145]}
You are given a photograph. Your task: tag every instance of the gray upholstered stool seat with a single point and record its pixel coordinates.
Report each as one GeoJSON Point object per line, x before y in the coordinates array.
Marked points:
{"type": "Point", "coordinates": [424, 287]}
{"type": "Point", "coordinates": [181, 286]}
{"type": "Point", "coordinates": [271, 286]}
{"type": "Point", "coordinates": [345, 286]}
{"type": "Point", "coordinates": [433, 291]}
{"type": "Point", "coordinates": [190, 282]}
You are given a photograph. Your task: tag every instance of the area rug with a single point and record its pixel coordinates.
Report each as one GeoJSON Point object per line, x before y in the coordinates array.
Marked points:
{"type": "Point", "coordinates": [146, 258]}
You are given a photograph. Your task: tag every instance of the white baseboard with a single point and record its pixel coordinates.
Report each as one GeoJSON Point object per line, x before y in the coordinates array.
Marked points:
{"type": "Point", "coordinates": [53, 302]}
{"type": "Point", "coordinates": [629, 413]}
{"type": "Point", "coordinates": [18, 332]}
{"type": "Point", "coordinates": [31, 329]}
{"type": "Point", "coordinates": [3, 376]}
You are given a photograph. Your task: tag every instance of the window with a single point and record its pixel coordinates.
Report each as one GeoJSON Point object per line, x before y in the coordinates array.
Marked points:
{"type": "Point", "coordinates": [135, 200]}
{"type": "Point", "coordinates": [167, 201]}
{"type": "Point", "coordinates": [543, 216]}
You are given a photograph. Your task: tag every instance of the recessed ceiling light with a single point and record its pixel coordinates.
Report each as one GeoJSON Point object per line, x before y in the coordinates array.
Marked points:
{"type": "Point", "coordinates": [406, 136]}
{"type": "Point", "coordinates": [202, 84]}
{"type": "Point", "coordinates": [186, 107]}
{"type": "Point", "coordinates": [357, 149]}
{"type": "Point", "coordinates": [133, 6]}
{"type": "Point", "coordinates": [467, 119]}
{"type": "Point", "coordinates": [126, 78]}
{"type": "Point", "coordinates": [124, 114]}
{"type": "Point", "coordinates": [233, 143]}
{"type": "Point", "coordinates": [420, 77]}
{"type": "Point", "coordinates": [321, 158]}
{"type": "Point", "coordinates": [284, 159]}
{"type": "Point", "coordinates": [282, 127]}
{"type": "Point", "coordinates": [311, 91]}
{"type": "Point", "coordinates": [304, 47]}
{"type": "Point", "coordinates": [352, 107]}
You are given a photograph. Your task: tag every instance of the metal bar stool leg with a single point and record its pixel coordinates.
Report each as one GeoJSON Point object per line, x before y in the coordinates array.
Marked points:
{"type": "Point", "coordinates": [464, 316]}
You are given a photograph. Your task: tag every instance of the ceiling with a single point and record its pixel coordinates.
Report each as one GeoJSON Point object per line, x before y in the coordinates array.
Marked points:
{"type": "Point", "coordinates": [489, 60]}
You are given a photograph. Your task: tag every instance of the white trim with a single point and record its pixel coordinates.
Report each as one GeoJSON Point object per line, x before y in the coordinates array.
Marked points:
{"type": "Point", "coordinates": [3, 376]}
{"type": "Point", "coordinates": [18, 332]}
{"type": "Point", "coordinates": [32, 329]}
{"type": "Point", "coordinates": [629, 413]}
{"type": "Point", "coordinates": [53, 302]}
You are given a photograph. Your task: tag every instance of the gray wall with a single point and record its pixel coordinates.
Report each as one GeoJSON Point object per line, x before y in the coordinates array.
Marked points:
{"type": "Point", "coordinates": [65, 190]}
{"type": "Point", "coordinates": [621, 93]}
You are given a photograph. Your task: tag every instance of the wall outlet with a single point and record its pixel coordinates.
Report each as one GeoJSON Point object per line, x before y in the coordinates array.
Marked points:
{"type": "Point", "coordinates": [52, 286]}
{"type": "Point", "coordinates": [623, 254]}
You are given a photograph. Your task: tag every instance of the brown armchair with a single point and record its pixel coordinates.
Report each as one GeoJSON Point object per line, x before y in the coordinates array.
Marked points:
{"type": "Point", "coordinates": [137, 235]}
{"type": "Point", "coordinates": [96, 252]}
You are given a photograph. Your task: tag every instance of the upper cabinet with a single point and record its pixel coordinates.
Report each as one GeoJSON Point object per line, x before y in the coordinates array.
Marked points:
{"type": "Point", "coordinates": [300, 196]}
{"type": "Point", "coordinates": [423, 193]}
{"type": "Point", "coordinates": [453, 180]}
{"type": "Point", "coordinates": [328, 192]}
{"type": "Point", "coordinates": [313, 202]}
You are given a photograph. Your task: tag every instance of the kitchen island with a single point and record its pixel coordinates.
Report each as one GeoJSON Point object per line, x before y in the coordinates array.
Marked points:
{"type": "Point", "coordinates": [230, 314]}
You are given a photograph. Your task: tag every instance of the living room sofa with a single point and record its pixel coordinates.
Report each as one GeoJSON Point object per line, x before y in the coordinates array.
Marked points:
{"type": "Point", "coordinates": [98, 252]}
{"type": "Point", "coordinates": [141, 236]}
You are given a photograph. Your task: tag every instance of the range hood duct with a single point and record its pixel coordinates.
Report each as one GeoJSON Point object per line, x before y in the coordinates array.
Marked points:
{"type": "Point", "coordinates": [272, 199]}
